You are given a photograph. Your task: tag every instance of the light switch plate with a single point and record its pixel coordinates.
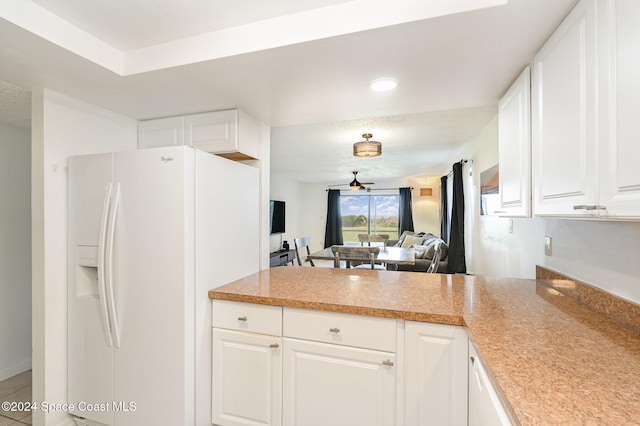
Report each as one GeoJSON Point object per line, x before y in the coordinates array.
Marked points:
{"type": "Point", "coordinates": [547, 246]}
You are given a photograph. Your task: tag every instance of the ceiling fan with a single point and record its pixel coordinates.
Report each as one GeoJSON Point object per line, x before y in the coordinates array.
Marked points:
{"type": "Point", "coordinates": [355, 184]}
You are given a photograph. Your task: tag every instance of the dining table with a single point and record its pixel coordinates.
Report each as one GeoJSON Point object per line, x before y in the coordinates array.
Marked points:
{"type": "Point", "coordinates": [390, 256]}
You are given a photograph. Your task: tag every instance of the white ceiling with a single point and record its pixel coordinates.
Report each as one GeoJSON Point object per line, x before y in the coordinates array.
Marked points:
{"type": "Point", "coordinates": [300, 66]}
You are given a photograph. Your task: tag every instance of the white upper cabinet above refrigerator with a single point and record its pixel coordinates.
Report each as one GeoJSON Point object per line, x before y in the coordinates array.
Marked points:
{"type": "Point", "coordinates": [232, 134]}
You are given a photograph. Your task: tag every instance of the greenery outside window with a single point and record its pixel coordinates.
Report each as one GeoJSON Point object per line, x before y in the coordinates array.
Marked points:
{"type": "Point", "coordinates": [369, 214]}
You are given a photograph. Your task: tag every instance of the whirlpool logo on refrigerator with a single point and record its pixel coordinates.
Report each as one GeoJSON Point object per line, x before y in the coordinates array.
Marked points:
{"type": "Point", "coordinates": [165, 160]}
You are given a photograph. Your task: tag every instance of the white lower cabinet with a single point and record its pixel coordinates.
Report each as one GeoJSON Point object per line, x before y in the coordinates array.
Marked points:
{"type": "Point", "coordinates": [485, 408]}
{"type": "Point", "coordinates": [328, 384]}
{"type": "Point", "coordinates": [436, 381]}
{"type": "Point", "coordinates": [247, 385]}
{"type": "Point", "coordinates": [246, 364]}
{"type": "Point", "coordinates": [298, 367]}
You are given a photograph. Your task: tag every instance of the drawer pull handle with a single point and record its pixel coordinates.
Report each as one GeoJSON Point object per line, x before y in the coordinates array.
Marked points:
{"type": "Point", "coordinates": [242, 318]}
{"type": "Point", "coordinates": [388, 362]}
{"type": "Point", "coordinates": [473, 361]}
{"type": "Point", "coordinates": [274, 345]}
{"type": "Point", "coordinates": [334, 330]}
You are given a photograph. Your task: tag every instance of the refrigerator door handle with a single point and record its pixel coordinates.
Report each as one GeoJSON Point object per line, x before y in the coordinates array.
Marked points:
{"type": "Point", "coordinates": [102, 236]}
{"type": "Point", "coordinates": [109, 267]}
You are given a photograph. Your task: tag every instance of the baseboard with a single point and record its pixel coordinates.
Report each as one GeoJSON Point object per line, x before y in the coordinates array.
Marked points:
{"type": "Point", "coordinates": [18, 368]}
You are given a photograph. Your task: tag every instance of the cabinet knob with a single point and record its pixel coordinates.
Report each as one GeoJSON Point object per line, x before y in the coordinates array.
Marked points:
{"type": "Point", "coordinates": [473, 360]}
{"type": "Point", "coordinates": [334, 330]}
{"type": "Point", "coordinates": [242, 318]}
{"type": "Point", "coordinates": [387, 362]}
{"type": "Point", "coordinates": [274, 345]}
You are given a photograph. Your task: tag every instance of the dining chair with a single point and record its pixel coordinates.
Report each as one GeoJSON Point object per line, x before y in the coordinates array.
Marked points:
{"type": "Point", "coordinates": [373, 238]}
{"type": "Point", "coordinates": [358, 254]}
{"type": "Point", "coordinates": [302, 243]}
{"type": "Point", "coordinates": [433, 266]}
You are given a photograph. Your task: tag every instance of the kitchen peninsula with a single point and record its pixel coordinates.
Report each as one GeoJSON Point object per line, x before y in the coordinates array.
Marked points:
{"type": "Point", "coordinates": [551, 359]}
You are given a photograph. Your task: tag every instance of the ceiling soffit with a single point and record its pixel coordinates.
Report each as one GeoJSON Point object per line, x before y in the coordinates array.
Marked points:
{"type": "Point", "coordinates": [323, 22]}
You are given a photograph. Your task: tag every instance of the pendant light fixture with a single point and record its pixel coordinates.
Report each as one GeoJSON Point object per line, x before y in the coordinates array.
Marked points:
{"type": "Point", "coordinates": [367, 148]}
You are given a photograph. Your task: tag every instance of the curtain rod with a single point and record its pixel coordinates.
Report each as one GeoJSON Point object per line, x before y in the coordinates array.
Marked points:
{"type": "Point", "coordinates": [370, 189]}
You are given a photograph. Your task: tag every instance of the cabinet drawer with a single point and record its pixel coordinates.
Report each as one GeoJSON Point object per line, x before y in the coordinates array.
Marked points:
{"type": "Point", "coordinates": [263, 319]}
{"type": "Point", "coordinates": [340, 329]}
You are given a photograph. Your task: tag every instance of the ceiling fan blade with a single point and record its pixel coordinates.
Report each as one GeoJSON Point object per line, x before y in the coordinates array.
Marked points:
{"type": "Point", "coordinates": [367, 183]}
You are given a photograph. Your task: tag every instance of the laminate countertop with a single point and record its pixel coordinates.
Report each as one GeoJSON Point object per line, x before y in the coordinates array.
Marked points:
{"type": "Point", "coordinates": [553, 360]}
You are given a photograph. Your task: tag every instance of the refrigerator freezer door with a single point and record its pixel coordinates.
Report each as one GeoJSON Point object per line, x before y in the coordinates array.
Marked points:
{"type": "Point", "coordinates": [153, 287]}
{"type": "Point", "coordinates": [90, 359]}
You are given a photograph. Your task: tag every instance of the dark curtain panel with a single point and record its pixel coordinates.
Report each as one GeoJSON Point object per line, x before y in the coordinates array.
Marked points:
{"type": "Point", "coordinates": [444, 210]}
{"type": "Point", "coordinates": [456, 238]}
{"type": "Point", "coordinates": [406, 215]}
{"type": "Point", "coordinates": [333, 231]}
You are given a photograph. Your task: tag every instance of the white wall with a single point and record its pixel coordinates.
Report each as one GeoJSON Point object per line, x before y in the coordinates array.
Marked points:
{"type": "Point", "coordinates": [61, 127]}
{"type": "Point", "coordinates": [15, 251]}
{"type": "Point", "coordinates": [292, 193]}
{"type": "Point", "coordinates": [496, 251]}
{"type": "Point", "coordinates": [601, 253]}
{"type": "Point", "coordinates": [426, 209]}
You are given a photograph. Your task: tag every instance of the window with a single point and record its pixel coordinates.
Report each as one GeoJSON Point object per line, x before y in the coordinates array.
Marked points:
{"type": "Point", "coordinates": [369, 214]}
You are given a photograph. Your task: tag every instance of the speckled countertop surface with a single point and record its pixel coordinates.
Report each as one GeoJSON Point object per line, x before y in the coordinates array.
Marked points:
{"type": "Point", "coordinates": [555, 361]}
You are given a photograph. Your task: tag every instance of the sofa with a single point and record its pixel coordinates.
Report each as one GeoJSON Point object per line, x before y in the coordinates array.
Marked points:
{"type": "Point", "coordinates": [423, 244]}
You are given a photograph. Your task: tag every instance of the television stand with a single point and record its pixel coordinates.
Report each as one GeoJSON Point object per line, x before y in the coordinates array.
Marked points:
{"type": "Point", "coordinates": [282, 257]}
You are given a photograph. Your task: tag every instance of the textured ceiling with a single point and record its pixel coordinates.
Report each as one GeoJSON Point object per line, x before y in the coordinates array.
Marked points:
{"type": "Point", "coordinates": [15, 106]}
{"type": "Point", "coordinates": [412, 145]}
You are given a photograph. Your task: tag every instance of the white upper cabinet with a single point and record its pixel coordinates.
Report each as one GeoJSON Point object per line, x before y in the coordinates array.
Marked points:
{"type": "Point", "coordinates": [620, 109]}
{"type": "Point", "coordinates": [514, 140]}
{"type": "Point", "coordinates": [585, 105]}
{"type": "Point", "coordinates": [231, 134]}
{"type": "Point", "coordinates": [161, 132]}
{"type": "Point", "coordinates": [564, 93]}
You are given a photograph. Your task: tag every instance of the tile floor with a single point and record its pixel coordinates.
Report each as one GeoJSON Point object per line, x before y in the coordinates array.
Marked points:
{"type": "Point", "coordinates": [16, 389]}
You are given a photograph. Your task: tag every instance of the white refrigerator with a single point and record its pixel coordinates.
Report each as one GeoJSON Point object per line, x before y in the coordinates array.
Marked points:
{"type": "Point", "coordinates": [149, 233]}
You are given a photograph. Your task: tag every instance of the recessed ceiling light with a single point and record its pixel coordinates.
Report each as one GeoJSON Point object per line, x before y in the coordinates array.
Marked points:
{"type": "Point", "coordinates": [383, 84]}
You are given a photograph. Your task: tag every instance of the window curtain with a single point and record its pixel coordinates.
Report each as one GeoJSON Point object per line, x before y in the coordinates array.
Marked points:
{"type": "Point", "coordinates": [406, 215]}
{"type": "Point", "coordinates": [333, 230]}
{"type": "Point", "coordinates": [444, 210]}
{"type": "Point", "coordinates": [456, 262]}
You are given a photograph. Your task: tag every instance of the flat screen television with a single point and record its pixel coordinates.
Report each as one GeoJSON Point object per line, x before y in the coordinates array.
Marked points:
{"type": "Point", "coordinates": [277, 216]}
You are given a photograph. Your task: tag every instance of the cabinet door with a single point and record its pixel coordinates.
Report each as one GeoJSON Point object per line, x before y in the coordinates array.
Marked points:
{"type": "Point", "coordinates": [485, 409]}
{"type": "Point", "coordinates": [327, 384]}
{"type": "Point", "coordinates": [563, 118]}
{"type": "Point", "coordinates": [215, 132]}
{"type": "Point", "coordinates": [620, 174]}
{"type": "Point", "coordinates": [514, 140]}
{"type": "Point", "coordinates": [436, 374]}
{"type": "Point", "coordinates": [247, 379]}
{"type": "Point", "coordinates": [160, 132]}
